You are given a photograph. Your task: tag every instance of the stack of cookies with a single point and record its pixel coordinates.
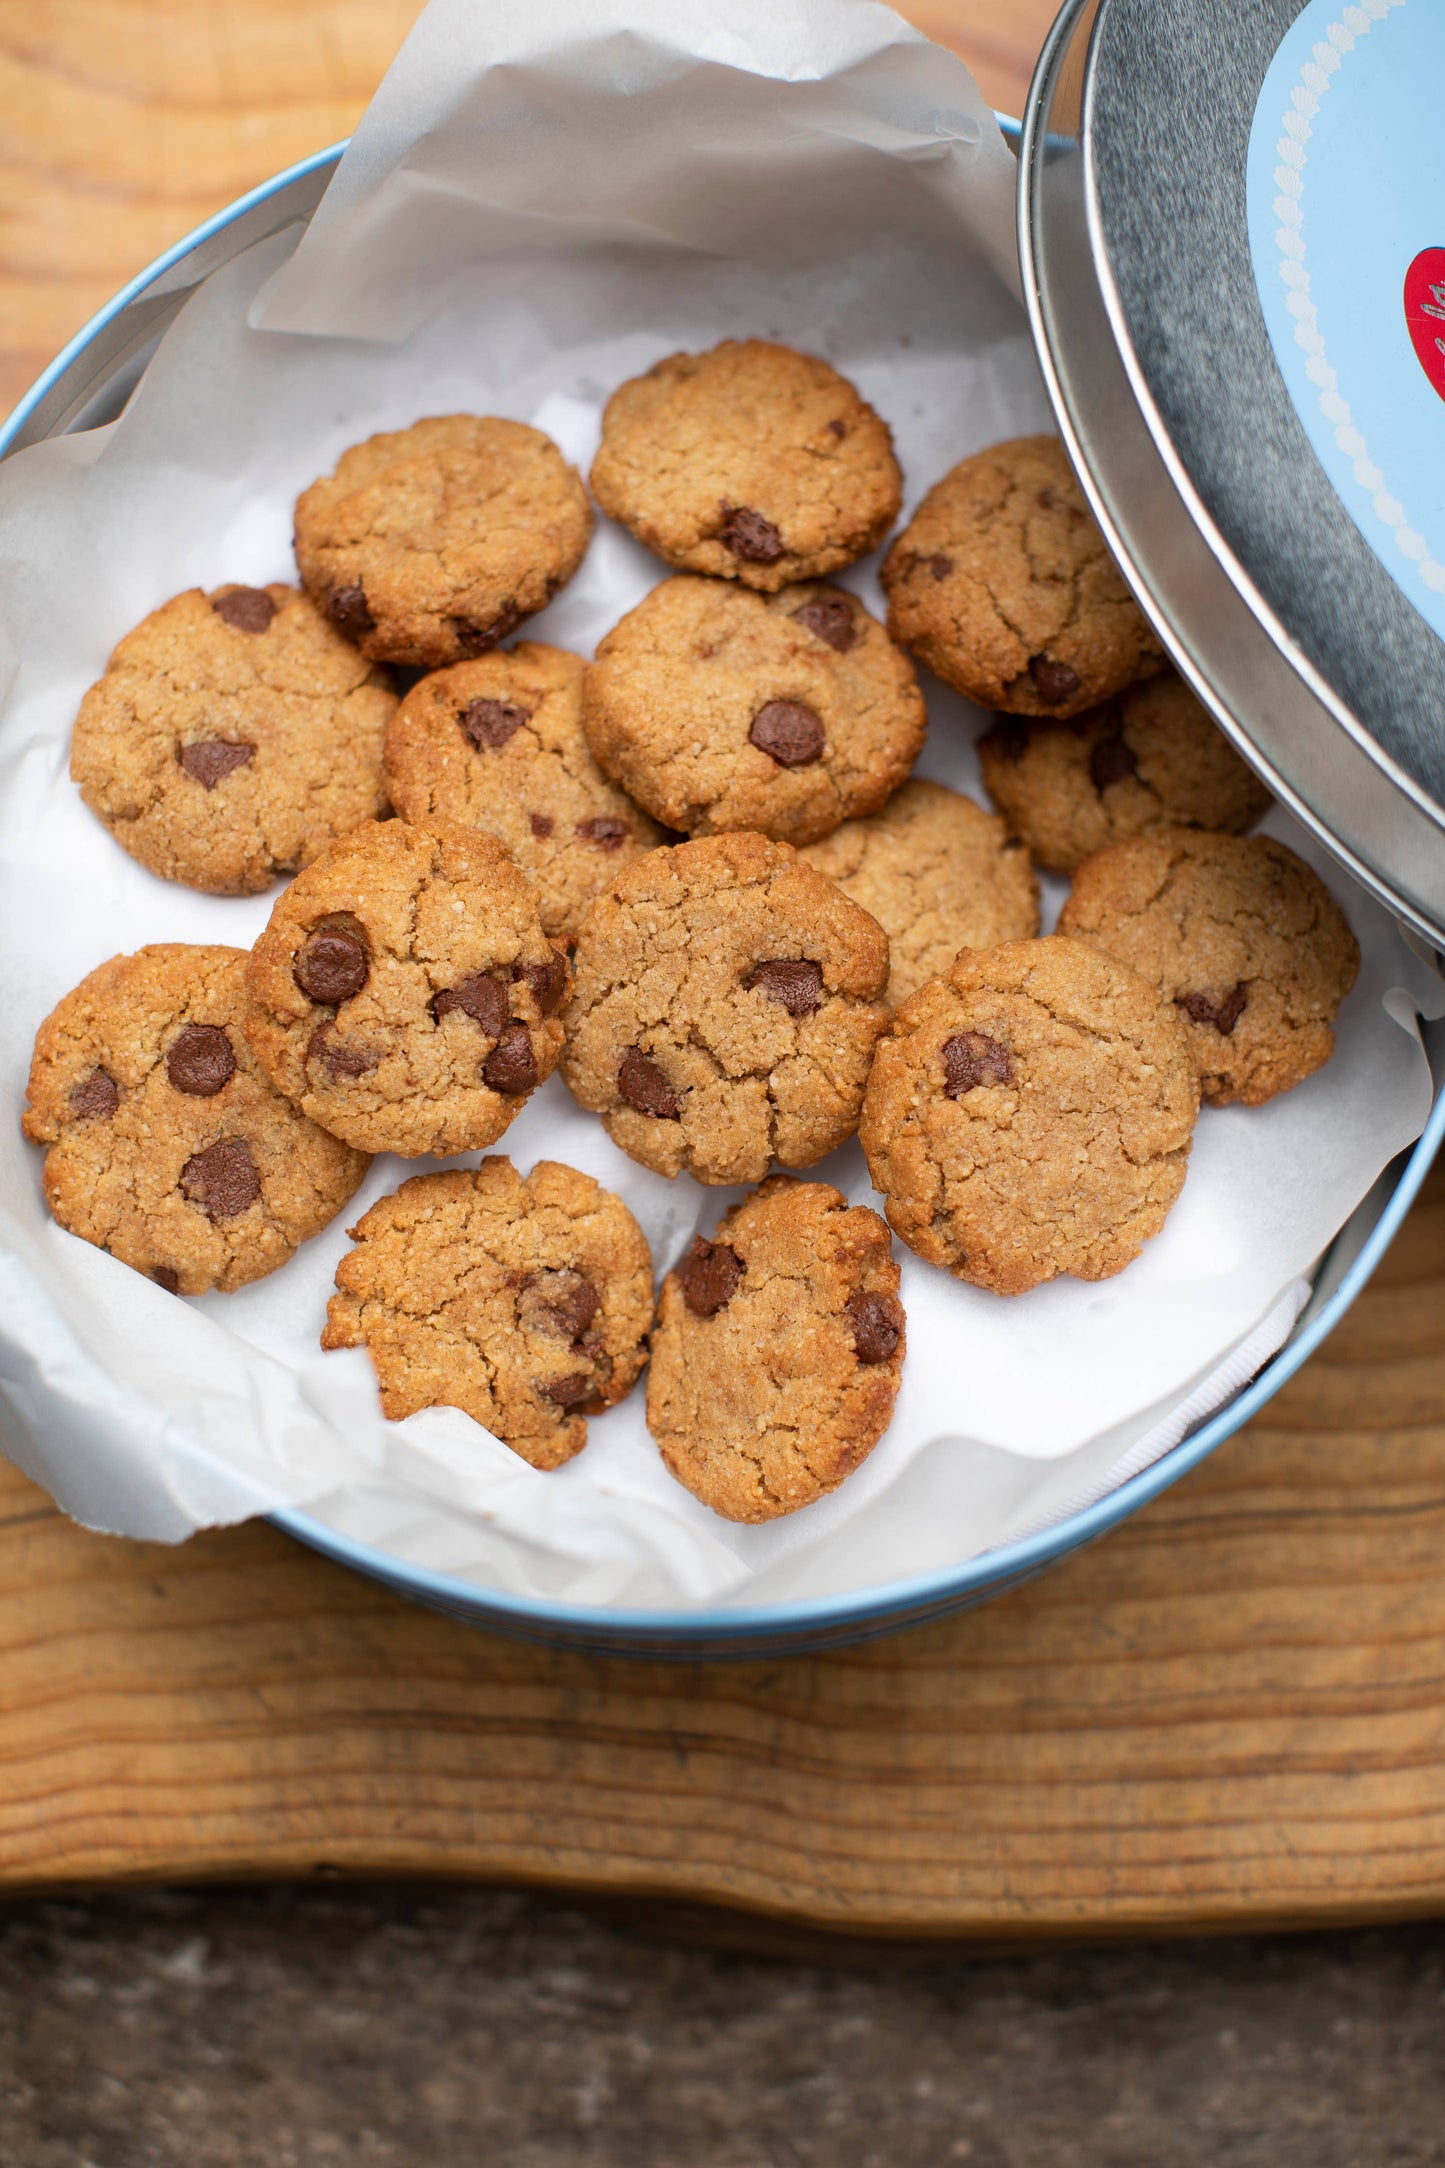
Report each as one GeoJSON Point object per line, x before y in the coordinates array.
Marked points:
{"type": "Point", "coordinates": [697, 877]}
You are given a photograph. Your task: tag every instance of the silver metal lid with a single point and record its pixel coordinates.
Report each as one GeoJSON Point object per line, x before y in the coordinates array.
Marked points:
{"type": "Point", "coordinates": [1260, 577]}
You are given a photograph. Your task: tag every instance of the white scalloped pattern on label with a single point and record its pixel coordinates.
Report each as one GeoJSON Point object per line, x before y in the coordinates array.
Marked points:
{"type": "Point", "coordinates": [1346, 207]}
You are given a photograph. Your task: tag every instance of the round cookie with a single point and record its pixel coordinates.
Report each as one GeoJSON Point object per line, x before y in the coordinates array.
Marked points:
{"type": "Point", "coordinates": [1152, 759]}
{"type": "Point", "coordinates": [1031, 1114]}
{"type": "Point", "coordinates": [1001, 582]}
{"type": "Point", "coordinates": [167, 1145]}
{"type": "Point", "coordinates": [938, 873]}
{"type": "Point", "coordinates": [719, 709]}
{"type": "Point", "coordinates": [778, 1351]}
{"type": "Point", "coordinates": [405, 993]}
{"type": "Point", "coordinates": [431, 544]}
{"type": "Point", "coordinates": [1241, 935]}
{"type": "Point", "coordinates": [498, 744]}
{"type": "Point", "coordinates": [233, 736]}
{"type": "Point", "coordinates": [750, 462]}
{"type": "Point", "coordinates": [726, 1010]}
{"type": "Point", "coordinates": [525, 1303]}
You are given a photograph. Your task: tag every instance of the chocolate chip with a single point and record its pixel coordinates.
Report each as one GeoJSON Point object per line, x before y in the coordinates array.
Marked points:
{"type": "Point", "coordinates": [210, 760]}
{"type": "Point", "coordinates": [1054, 682]}
{"type": "Point", "coordinates": [794, 981]}
{"type": "Point", "coordinates": [1009, 738]}
{"type": "Point", "coordinates": [333, 962]}
{"type": "Point", "coordinates": [940, 566]}
{"type": "Point", "coordinates": [542, 825]}
{"type": "Point", "coordinates": [246, 609]}
{"type": "Point", "coordinates": [566, 1392]}
{"type": "Point", "coordinates": [511, 1066]}
{"type": "Point", "coordinates": [830, 619]}
{"type": "Point", "coordinates": [548, 981]}
{"type": "Point", "coordinates": [1223, 1014]}
{"type": "Point", "coordinates": [95, 1097]}
{"type": "Point", "coordinates": [877, 1323]}
{"type": "Point", "coordinates": [350, 611]}
{"type": "Point", "coordinates": [1112, 761]}
{"type": "Point", "coordinates": [222, 1179]}
{"type": "Point", "coordinates": [483, 999]}
{"type": "Point", "coordinates": [475, 639]}
{"type": "Point", "coordinates": [339, 1059]}
{"type": "Point", "coordinates": [200, 1061]}
{"type": "Point", "coordinates": [489, 723]}
{"type": "Point", "coordinates": [167, 1277]}
{"type": "Point", "coordinates": [572, 1311]}
{"type": "Point", "coordinates": [645, 1088]}
{"type": "Point", "coordinates": [788, 733]}
{"type": "Point", "coordinates": [709, 1276]}
{"type": "Point", "coordinates": [837, 426]}
{"type": "Point", "coordinates": [748, 535]}
{"type": "Point", "coordinates": [971, 1059]}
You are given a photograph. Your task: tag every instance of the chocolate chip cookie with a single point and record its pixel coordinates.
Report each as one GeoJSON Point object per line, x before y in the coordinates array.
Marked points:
{"type": "Point", "coordinates": [405, 994]}
{"type": "Point", "coordinates": [430, 544]}
{"type": "Point", "coordinates": [1030, 1114]}
{"type": "Point", "coordinates": [233, 736]}
{"type": "Point", "coordinates": [750, 462]}
{"type": "Point", "coordinates": [1001, 582]}
{"type": "Point", "coordinates": [726, 1009]}
{"type": "Point", "coordinates": [938, 873]}
{"type": "Point", "coordinates": [1241, 935]}
{"type": "Point", "coordinates": [525, 1303]}
{"type": "Point", "coordinates": [1151, 759]}
{"type": "Point", "coordinates": [778, 1351]}
{"type": "Point", "coordinates": [720, 709]}
{"type": "Point", "coordinates": [498, 744]}
{"type": "Point", "coordinates": [167, 1145]}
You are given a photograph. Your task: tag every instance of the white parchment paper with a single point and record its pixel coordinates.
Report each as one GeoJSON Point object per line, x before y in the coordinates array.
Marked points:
{"type": "Point", "coordinates": [541, 202]}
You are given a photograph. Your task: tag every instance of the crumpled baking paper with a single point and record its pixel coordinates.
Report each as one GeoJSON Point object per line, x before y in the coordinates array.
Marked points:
{"type": "Point", "coordinates": [540, 203]}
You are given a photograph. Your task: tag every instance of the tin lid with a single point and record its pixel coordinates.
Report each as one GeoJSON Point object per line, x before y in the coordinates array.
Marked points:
{"type": "Point", "coordinates": [1232, 234]}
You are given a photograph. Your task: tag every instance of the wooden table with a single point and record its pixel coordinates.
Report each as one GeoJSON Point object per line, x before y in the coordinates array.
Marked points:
{"type": "Point", "coordinates": [1232, 1712]}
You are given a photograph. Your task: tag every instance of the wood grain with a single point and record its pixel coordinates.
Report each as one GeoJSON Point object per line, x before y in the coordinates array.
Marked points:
{"type": "Point", "coordinates": [1232, 1712]}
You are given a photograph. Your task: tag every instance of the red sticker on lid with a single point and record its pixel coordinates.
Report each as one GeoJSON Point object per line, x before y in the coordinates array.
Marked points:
{"type": "Point", "coordinates": [1425, 313]}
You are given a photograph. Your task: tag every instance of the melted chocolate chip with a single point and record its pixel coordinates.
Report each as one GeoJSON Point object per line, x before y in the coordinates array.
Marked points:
{"type": "Point", "coordinates": [1054, 682]}
{"type": "Point", "coordinates": [548, 981]}
{"type": "Point", "coordinates": [95, 1097]}
{"type": "Point", "coordinates": [566, 1392]}
{"type": "Point", "coordinates": [489, 723]}
{"type": "Point", "coordinates": [788, 733]}
{"type": "Point", "coordinates": [200, 1061]}
{"type": "Point", "coordinates": [167, 1277]}
{"type": "Point", "coordinates": [877, 1323]}
{"type": "Point", "coordinates": [483, 999]}
{"type": "Point", "coordinates": [971, 1059]}
{"type": "Point", "coordinates": [542, 825]}
{"type": "Point", "coordinates": [333, 962]}
{"type": "Point", "coordinates": [749, 535]}
{"type": "Point", "coordinates": [837, 426]}
{"type": "Point", "coordinates": [830, 619]}
{"type": "Point", "coordinates": [572, 1310]}
{"type": "Point", "coordinates": [350, 611]}
{"type": "Point", "coordinates": [222, 1179]}
{"type": "Point", "coordinates": [475, 639]}
{"type": "Point", "coordinates": [796, 982]}
{"type": "Point", "coordinates": [1112, 761]}
{"type": "Point", "coordinates": [1009, 738]}
{"type": "Point", "coordinates": [709, 1276]}
{"type": "Point", "coordinates": [210, 760]}
{"type": "Point", "coordinates": [607, 833]}
{"type": "Point", "coordinates": [1223, 1014]}
{"type": "Point", "coordinates": [645, 1088]}
{"type": "Point", "coordinates": [245, 609]}
{"type": "Point", "coordinates": [511, 1067]}
{"type": "Point", "coordinates": [340, 1059]}
{"type": "Point", "coordinates": [939, 565]}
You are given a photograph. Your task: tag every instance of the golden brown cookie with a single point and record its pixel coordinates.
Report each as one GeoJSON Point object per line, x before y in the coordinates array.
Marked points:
{"type": "Point", "coordinates": [525, 1303]}
{"type": "Point", "coordinates": [750, 462]}
{"type": "Point", "coordinates": [431, 544]}
{"type": "Point", "coordinates": [1030, 1115]}
{"type": "Point", "coordinates": [1001, 582]}
{"type": "Point", "coordinates": [167, 1145]}
{"type": "Point", "coordinates": [719, 709]}
{"type": "Point", "coordinates": [725, 1011]}
{"type": "Point", "coordinates": [938, 873]}
{"type": "Point", "coordinates": [405, 993]}
{"type": "Point", "coordinates": [1151, 759]}
{"type": "Point", "coordinates": [233, 736]}
{"type": "Point", "coordinates": [1240, 935]}
{"type": "Point", "coordinates": [498, 744]}
{"type": "Point", "coordinates": [778, 1351]}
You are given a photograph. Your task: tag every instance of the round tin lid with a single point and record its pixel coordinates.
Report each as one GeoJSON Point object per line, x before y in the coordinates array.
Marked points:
{"type": "Point", "coordinates": [1232, 233]}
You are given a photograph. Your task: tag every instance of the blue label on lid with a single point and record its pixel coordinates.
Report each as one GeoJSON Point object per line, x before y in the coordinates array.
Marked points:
{"type": "Point", "coordinates": [1346, 206]}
